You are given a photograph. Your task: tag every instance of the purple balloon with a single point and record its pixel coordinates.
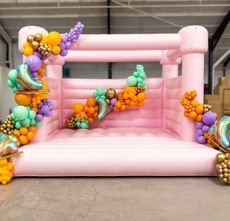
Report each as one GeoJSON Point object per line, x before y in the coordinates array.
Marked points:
{"type": "Point", "coordinates": [199, 132]}
{"type": "Point", "coordinates": [201, 140]}
{"type": "Point", "coordinates": [64, 37]}
{"type": "Point", "coordinates": [113, 101]}
{"type": "Point", "coordinates": [34, 62]}
{"type": "Point", "coordinates": [45, 109]}
{"type": "Point", "coordinates": [39, 117]}
{"type": "Point", "coordinates": [64, 53]}
{"type": "Point", "coordinates": [36, 53]}
{"type": "Point", "coordinates": [48, 114]}
{"type": "Point", "coordinates": [209, 118]}
{"type": "Point", "coordinates": [205, 128]}
{"type": "Point", "coordinates": [199, 125]}
{"type": "Point", "coordinates": [67, 45]}
{"type": "Point", "coordinates": [62, 45]}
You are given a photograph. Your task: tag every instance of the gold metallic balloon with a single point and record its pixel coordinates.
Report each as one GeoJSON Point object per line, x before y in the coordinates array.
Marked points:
{"type": "Point", "coordinates": [38, 37]}
{"type": "Point", "coordinates": [35, 45]}
{"type": "Point", "coordinates": [30, 38]}
{"type": "Point", "coordinates": [15, 139]}
{"type": "Point", "coordinates": [220, 157]}
{"type": "Point", "coordinates": [110, 93]}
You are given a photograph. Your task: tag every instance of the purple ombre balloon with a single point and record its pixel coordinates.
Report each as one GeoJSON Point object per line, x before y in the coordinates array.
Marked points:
{"type": "Point", "coordinates": [201, 140]}
{"type": "Point", "coordinates": [209, 118]}
{"type": "Point", "coordinates": [113, 101]}
{"type": "Point", "coordinates": [63, 53]}
{"type": "Point", "coordinates": [34, 62]}
{"type": "Point", "coordinates": [199, 125]}
{"type": "Point", "coordinates": [67, 45]}
{"type": "Point", "coordinates": [205, 128]}
{"type": "Point", "coordinates": [39, 117]}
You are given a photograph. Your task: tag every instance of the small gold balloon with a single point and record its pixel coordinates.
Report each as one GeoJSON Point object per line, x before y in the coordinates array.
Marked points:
{"type": "Point", "coordinates": [30, 38]}
{"type": "Point", "coordinates": [15, 139]}
{"type": "Point", "coordinates": [110, 93]}
{"type": "Point", "coordinates": [35, 45]}
{"type": "Point", "coordinates": [38, 37]}
{"type": "Point", "coordinates": [227, 155]}
{"type": "Point", "coordinates": [225, 170]}
{"type": "Point", "coordinates": [220, 157]}
{"type": "Point", "coordinates": [220, 171]}
{"type": "Point", "coordinates": [221, 176]}
{"type": "Point", "coordinates": [225, 175]}
{"type": "Point", "coordinates": [218, 167]}
{"type": "Point", "coordinates": [225, 180]}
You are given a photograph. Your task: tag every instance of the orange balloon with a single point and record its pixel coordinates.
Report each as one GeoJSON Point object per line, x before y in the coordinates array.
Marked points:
{"type": "Point", "coordinates": [91, 110]}
{"type": "Point", "coordinates": [141, 96]}
{"type": "Point", "coordinates": [23, 131]}
{"type": "Point", "coordinates": [118, 104]}
{"type": "Point", "coordinates": [91, 102]}
{"type": "Point", "coordinates": [30, 136]}
{"type": "Point", "coordinates": [17, 132]}
{"type": "Point", "coordinates": [23, 140]}
{"type": "Point", "coordinates": [193, 115]}
{"type": "Point", "coordinates": [86, 109]}
{"type": "Point", "coordinates": [200, 109]}
{"type": "Point", "coordinates": [199, 117]}
{"type": "Point", "coordinates": [78, 108]}
{"type": "Point", "coordinates": [123, 107]}
{"type": "Point", "coordinates": [91, 120]}
{"type": "Point", "coordinates": [194, 103]}
{"type": "Point", "coordinates": [28, 51]}
{"type": "Point", "coordinates": [32, 128]}
{"type": "Point", "coordinates": [23, 99]}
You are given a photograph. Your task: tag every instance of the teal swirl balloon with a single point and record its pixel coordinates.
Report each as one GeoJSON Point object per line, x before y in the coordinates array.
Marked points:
{"type": "Point", "coordinates": [104, 109]}
{"type": "Point", "coordinates": [25, 79]}
{"type": "Point", "coordinates": [7, 146]}
{"type": "Point", "coordinates": [221, 130]}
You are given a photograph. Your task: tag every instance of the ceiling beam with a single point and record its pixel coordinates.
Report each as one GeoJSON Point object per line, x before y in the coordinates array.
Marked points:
{"type": "Point", "coordinates": [111, 6]}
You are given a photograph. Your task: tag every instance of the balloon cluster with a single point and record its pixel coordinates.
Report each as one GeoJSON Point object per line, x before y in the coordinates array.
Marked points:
{"type": "Point", "coordinates": [193, 109]}
{"type": "Point", "coordinates": [45, 108]}
{"type": "Point", "coordinates": [106, 101]}
{"type": "Point", "coordinates": [6, 171]}
{"type": "Point", "coordinates": [211, 131]}
{"type": "Point", "coordinates": [7, 125]}
{"type": "Point", "coordinates": [24, 117]}
{"type": "Point", "coordinates": [83, 114]}
{"type": "Point", "coordinates": [203, 127]}
{"type": "Point", "coordinates": [31, 89]}
{"type": "Point", "coordinates": [223, 167]}
{"type": "Point", "coordinates": [25, 135]}
{"type": "Point", "coordinates": [138, 78]}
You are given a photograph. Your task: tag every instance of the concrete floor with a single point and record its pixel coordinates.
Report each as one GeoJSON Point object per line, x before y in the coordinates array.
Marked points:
{"type": "Point", "coordinates": [63, 199]}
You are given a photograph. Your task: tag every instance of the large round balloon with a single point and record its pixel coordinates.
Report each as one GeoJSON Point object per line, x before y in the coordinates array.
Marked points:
{"type": "Point", "coordinates": [34, 62]}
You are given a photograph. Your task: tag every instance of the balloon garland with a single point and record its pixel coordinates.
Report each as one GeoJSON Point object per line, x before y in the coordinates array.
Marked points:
{"type": "Point", "coordinates": [104, 101]}
{"type": "Point", "coordinates": [31, 94]}
{"type": "Point", "coordinates": [210, 131]}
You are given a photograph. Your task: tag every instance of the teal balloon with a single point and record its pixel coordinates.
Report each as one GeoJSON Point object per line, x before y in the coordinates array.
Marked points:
{"type": "Point", "coordinates": [135, 74]}
{"type": "Point", "coordinates": [20, 113]}
{"type": "Point", "coordinates": [142, 75]}
{"type": "Point", "coordinates": [39, 124]}
{"type": "Point", "coordinates": [131, 81]}
{"type": "Point", "coordinates": [18, 125]}
{"type": "Point", "coordinates": [84, 126]}
{"type": "Point", "coordinates": [139, 80]}
{"type": "Point", "coordinates": [10, 84]}
{"type": "Point", "coordinates": [32, 114]}
{"type": "Point", "coordinates": [12, 75]}
{"type": "Point", "coordinates": [32, 121]}
{"type": "Point", "coordinates": [26, 122]}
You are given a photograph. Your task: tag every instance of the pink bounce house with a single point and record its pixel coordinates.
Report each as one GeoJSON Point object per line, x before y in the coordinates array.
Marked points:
{"type": "Point", "coordinates": [154, 140]}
